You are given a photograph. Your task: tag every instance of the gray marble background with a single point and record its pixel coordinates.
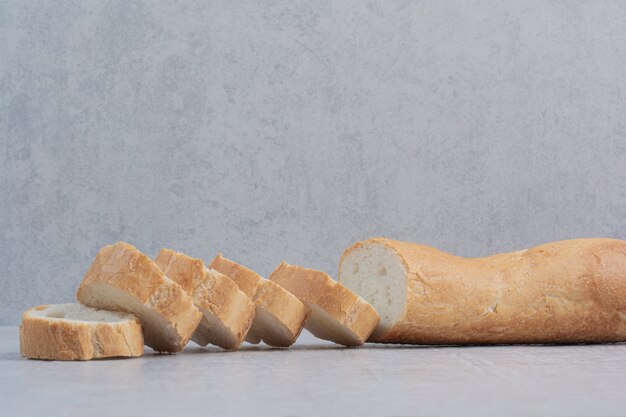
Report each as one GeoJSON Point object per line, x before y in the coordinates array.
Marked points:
{"type": "Point", "coordinates": [287, 130]}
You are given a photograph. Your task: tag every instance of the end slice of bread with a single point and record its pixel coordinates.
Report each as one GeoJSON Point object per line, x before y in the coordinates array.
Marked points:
{"type": "Point", "coordinates": [280, 316]}
{"type": "Point", "coordinates": [72, 332]}
{"type": "Point", "coordinates": [121, 278]}
{"type": "Point", "coordinates": [228, 312]}
{"type": "Point", "coordinates": [337, 314]}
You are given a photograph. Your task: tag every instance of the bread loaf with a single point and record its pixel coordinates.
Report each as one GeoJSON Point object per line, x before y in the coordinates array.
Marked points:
{"type": "Point", "coordinates": [73, 332]}
{"type": "Point", "coordinates": [563, 292]}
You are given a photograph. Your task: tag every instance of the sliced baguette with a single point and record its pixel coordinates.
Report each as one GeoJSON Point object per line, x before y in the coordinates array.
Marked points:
{"type": "Point", "coordinates": [71, 332]}
{"type": "Point", "coordinates": [122, 278]}
{"type": "Point", "coordinates": [228, 312]}
{"type": "Point", "coordinates": [279, 317]}
{"type": "Point", "coordinates": [337, 314]}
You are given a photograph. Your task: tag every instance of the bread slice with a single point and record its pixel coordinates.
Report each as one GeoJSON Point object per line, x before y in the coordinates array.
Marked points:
{"type": "Point", "coordinates": [228, 312]}
{"type": "Point", "coordinates": [122, 278]}
{"type": "Point", "coordinates": [71, 332]}
{"type": "Point", "coordinates": [572, 291]}
{"type": "Point", "coordinates": [337, 314]}
{"type": "Point", "coordinates": [279, 317]}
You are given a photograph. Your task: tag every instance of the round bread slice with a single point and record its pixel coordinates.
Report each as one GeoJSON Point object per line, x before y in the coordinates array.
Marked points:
{"type": "Point", "coordinates": [337, 314]}
{"type": "Point", "coordinates": [122, 278]}
{"type": "Point", "coordinates": [280, 316]}
{"type": "Point", "coordinates": [227, 311]}
{"type": "Point", "coordinates": [72, 332]}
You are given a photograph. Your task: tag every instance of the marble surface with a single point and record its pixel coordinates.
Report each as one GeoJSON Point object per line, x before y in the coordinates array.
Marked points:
{"type": "Point", "coordinates": [286, 130]}
{"type": "Point", "coordinates": [317, 378]}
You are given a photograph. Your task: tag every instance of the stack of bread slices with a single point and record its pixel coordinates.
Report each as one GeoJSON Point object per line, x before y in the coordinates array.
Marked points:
{"type": "Point", "coordinates": [127, 300]}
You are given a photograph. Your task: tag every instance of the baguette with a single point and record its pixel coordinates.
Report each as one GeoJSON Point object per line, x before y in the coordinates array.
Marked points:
{"type": "Point", "coordinates": [71, 332]}
{"type": "Point", "coordinates": [227, 311]}
{"type": "Point", "coordinates": [337, 314]}
{"type": "Point", "coordinates": [572, 291]}
{"type": "Point", "coordinates": [121, 278]}
{"type": "Point", "coordinates": [280, 316]}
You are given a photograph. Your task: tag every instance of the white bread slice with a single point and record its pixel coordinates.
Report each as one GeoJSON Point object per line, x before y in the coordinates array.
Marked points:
{"type": "Point", "coordinates": [71, 332]}
{"type": "Point", "coordinates": [228, 312]}
{"type": "Point", "coordinates": [122, 278]}
{"type": "Point", "coordinates": [279, 317]}
{"type": "Point", "coordinates": [337, 314]}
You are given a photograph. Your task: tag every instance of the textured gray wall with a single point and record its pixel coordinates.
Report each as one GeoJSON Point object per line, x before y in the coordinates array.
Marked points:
{"type": "Point", "coordinates": [287, 130]}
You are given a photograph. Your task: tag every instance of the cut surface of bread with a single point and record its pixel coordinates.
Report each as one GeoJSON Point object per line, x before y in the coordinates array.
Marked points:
{"type": "Point", "coordinates": [337, 314]}
{"type": "Point", "coordinates": [75, 332]}
{"type": "Point", "coordinates": [572, 291]}
{"type": "Point", "coordinates": [228, 312]}
{"type": "Point", "coordinates": [121, 278]}
{"type": "Point", "coordinates": [378, 275]}
{"type": "Point", "coordinates": [280, 316]}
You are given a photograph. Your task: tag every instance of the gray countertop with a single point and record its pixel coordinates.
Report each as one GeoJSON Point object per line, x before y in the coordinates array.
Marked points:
{"type": "Point", "coordinates": [319, 378]}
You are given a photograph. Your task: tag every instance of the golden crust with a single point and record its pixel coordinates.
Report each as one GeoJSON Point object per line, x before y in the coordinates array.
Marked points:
{"type": "Point", "coordinates": [571, 291]}
{"type": "Point", "coordinates": [246, 279]}
{"type": "Point", "coordinates": [214, 294]}
{"type": "Point", "coordinates": [318, 288]}
{"type": "Point", "coordinates": [269, 297]}
{"type": "Point", "coordinates": [69, 340]}
{"type": "Point", "coordinates": [126, 268]}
